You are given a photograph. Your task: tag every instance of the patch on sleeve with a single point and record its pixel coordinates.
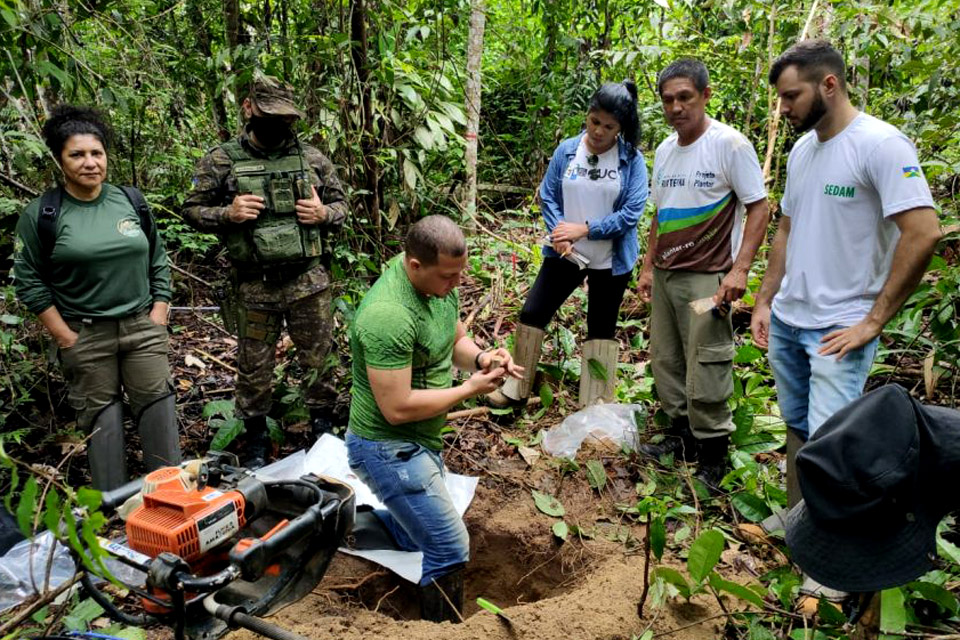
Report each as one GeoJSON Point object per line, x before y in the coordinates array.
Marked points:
{"type": "Point", "coordinates": [912, 172]}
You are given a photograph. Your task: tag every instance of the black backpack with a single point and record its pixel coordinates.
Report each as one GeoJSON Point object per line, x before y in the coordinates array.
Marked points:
{"type": "Point", "coordinates": [51, 201]}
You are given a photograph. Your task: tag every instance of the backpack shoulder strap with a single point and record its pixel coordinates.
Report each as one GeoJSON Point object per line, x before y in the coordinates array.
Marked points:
{"type": "Point", "coordinates": [135, 196]}
{"type": "Point", "coordinates": [50, 203]}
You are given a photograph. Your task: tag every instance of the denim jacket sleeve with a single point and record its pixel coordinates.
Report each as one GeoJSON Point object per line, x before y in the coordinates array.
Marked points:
{"type": "Point", "coordinates": [634, 198]}
{"type": "Point", "coordinates": [551, 189]}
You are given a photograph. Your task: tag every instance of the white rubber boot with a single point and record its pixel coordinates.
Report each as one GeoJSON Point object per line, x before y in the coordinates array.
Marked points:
{"type": "Point", "coordinates": [598, 371]}
{"type": "Point", "coordinates": [526, 353]}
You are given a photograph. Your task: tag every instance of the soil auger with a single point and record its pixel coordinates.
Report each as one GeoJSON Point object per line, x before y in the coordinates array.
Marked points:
{"type": "Point", "coordinates": [221, 547]}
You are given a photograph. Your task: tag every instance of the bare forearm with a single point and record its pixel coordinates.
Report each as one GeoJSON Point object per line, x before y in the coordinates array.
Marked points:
{"type": "Point", "coordinates": [465, 354]}
{"type": "Point", "coordinates": [910, 260]}
{"type": "Point", "coordinates": [421, 404]}
{"type": "Point", "coordinates": [776, 265]}
{"type": "Point", "coordinates": [758, 217]}
{"type": "Point", "coordinates": [651, 245]}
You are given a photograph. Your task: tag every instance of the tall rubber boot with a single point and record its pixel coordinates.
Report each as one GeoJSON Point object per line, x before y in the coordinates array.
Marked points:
{"type": "Point", "coordinates": [157, 426]}
{"type": "Point", "coordinates": [437, 608]}
{"type": "Point", "coordinates": [526, 353]}
{"type": "Point", "coordinates": [598, 383]}
{"type": "Point", "coordinates": [258, 446]}
{"type": "Point", "coordinates": [794, 442]}
{"type": "Point", "coordinates": [106, 451]}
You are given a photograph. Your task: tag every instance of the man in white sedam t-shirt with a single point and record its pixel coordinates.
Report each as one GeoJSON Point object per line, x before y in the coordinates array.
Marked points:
{"type": "Point", "coordinates": [857, 232]}
{"type": "Point", "coordinates": [706, 178]}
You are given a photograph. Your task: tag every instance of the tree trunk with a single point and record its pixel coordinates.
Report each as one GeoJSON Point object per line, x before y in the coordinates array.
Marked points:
{"type": "Point", "coordinates": [368, 144]}
{"type": "Point", "coordinates": [474, 58]}
{"type": "Point", "coordinates": [231, 18]}
{"type": "Point", "coordinates": [202, 30]}
{"type": "Point", "coordinates": [284, 27]}
{"type": "Point", "coordinates": [775, 120]}
{"type": "Point", "coordinates": [267, 22]}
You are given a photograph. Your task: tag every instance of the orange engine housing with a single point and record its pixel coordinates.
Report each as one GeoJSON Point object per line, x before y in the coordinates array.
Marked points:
{"type": "Point", "coordinates": [182, 520]}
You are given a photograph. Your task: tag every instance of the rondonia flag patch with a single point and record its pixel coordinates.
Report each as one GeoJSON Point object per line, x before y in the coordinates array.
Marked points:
{"type": "Point", "coordinates": [912, 172]}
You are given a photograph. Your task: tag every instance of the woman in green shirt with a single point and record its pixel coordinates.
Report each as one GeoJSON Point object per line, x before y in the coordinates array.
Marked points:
{"type": "Point", "coordinates": [94, 270]}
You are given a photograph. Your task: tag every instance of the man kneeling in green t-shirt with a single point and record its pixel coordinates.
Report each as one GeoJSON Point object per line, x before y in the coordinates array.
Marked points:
{"type": "Point", "coordinates": [405, 339]}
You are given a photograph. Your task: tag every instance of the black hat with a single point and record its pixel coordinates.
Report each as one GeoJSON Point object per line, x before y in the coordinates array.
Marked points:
{"type": "Point", "coordinates": [877, 478]}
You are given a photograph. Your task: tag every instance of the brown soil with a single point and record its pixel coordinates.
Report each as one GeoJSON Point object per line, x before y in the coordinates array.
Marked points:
{"type": "Point", "coordinates": [582, 588]}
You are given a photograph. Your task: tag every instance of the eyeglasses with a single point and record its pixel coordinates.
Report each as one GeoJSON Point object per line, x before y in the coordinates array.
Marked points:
{"type": "Point", "coordinates": [593, 160]}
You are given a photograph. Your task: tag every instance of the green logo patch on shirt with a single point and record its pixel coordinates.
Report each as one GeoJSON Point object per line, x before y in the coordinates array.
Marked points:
{"type": "Point", "coordinates": [838, 190]}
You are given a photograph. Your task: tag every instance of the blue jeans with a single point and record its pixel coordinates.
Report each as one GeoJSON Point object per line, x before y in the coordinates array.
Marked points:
{"type": "Point", "coordinates": [408, 479]}
{"type": "Point", "coordinates": [812, 387]}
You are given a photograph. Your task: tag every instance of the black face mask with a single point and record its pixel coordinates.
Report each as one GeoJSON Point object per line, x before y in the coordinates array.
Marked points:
{"type": "Point", "coordinates": [270, 131]}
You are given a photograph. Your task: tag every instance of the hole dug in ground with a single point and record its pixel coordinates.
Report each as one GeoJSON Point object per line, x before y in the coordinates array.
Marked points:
{"type": "Point", "coordinates": [504, 569]}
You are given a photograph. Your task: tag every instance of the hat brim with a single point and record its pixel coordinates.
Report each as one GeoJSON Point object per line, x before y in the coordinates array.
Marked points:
{"type": "Point", "coordinates": [856, 558]}
{"type": "Point", "coordinates": [277, 108]}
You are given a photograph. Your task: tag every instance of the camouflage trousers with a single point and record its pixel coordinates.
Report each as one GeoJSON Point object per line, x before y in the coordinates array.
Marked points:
{"type": "Point", "coordinates": [302, 302]}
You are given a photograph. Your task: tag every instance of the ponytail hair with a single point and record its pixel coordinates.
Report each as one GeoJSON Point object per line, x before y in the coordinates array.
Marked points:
{"type": "Point", "coordinates": [619, 99]}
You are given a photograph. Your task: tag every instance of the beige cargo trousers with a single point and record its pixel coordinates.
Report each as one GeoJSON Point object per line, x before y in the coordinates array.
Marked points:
{"type": "Point", "coordinates": [691, 355]}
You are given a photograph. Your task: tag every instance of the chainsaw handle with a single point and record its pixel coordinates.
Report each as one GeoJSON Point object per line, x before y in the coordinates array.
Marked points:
{"type": "Point", "coordinates": [110, 500]}
{"type": "Point", "coordinates": [253, 560]}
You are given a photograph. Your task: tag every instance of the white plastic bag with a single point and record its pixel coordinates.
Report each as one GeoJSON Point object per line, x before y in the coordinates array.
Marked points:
{"type": "Point", "coordinates": [612, 423]}
{"type": "Point", "coordinates": [25, 566]}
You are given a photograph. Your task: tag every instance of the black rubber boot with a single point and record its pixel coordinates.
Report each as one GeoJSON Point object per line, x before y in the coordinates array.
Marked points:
{"type": "Point", "coordinates": [712, 454]}
{"type": "Point", "coordinates": [435, 607]}
{"type": "Point", "coordinates": [678, 440]}
{"type": "Point", "coordinates": [321, 422]}
{"type": "Point", "coordinates": [257, 448]}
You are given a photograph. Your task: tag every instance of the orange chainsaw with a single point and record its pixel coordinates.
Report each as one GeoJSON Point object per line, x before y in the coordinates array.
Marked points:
{"type": "Point", "coordinates": [221, 547]}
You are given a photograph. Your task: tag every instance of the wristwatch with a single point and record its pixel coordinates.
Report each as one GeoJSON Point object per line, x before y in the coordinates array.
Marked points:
{"type": "Point", "coordinates": [476, 361]}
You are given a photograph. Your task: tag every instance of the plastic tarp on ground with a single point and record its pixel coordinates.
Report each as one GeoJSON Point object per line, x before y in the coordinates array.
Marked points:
{"type": "Point", "coordinates": [328, 457]}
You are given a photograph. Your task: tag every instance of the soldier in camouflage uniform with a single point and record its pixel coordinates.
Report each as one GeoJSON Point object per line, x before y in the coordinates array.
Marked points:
{"type": "Point", "coordinates": [272, 200]}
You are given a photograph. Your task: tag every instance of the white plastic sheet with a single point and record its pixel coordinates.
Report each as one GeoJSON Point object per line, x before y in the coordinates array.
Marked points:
{"type": "Point", "coordinates": [328, 457]}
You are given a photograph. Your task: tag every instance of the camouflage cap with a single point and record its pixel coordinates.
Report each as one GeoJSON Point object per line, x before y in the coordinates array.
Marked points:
{"type": "Point", "coordinates": [273, 97]}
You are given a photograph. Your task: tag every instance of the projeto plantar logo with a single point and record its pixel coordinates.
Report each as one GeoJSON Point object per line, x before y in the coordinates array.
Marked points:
{"type": "Point", "coordinates": [839, 191]}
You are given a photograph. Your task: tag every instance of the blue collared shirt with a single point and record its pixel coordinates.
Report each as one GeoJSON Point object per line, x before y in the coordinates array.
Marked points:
{"type": "Point", "coordinates": [620, 226]}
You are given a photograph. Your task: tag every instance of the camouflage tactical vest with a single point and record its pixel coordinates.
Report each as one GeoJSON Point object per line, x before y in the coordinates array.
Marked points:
{"type": "Point", "coordinates": [275, 236]}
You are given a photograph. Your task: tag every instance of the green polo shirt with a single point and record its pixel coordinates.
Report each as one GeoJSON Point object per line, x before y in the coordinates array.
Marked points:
{"type": "Point", "coordinates": [397, 327]}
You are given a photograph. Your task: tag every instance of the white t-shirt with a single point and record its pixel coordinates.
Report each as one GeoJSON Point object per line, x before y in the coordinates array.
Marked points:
{"type": "Point", "coordinates": [586, 199]}
{"type": "Point", "coordinates": [839, 196]}
{"type": "Point", "coordinates": [700, 190]}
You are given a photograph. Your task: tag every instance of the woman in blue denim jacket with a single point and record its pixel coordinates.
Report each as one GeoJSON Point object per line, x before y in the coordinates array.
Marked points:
{"type": "Point", "coordinates": [592, 197]}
